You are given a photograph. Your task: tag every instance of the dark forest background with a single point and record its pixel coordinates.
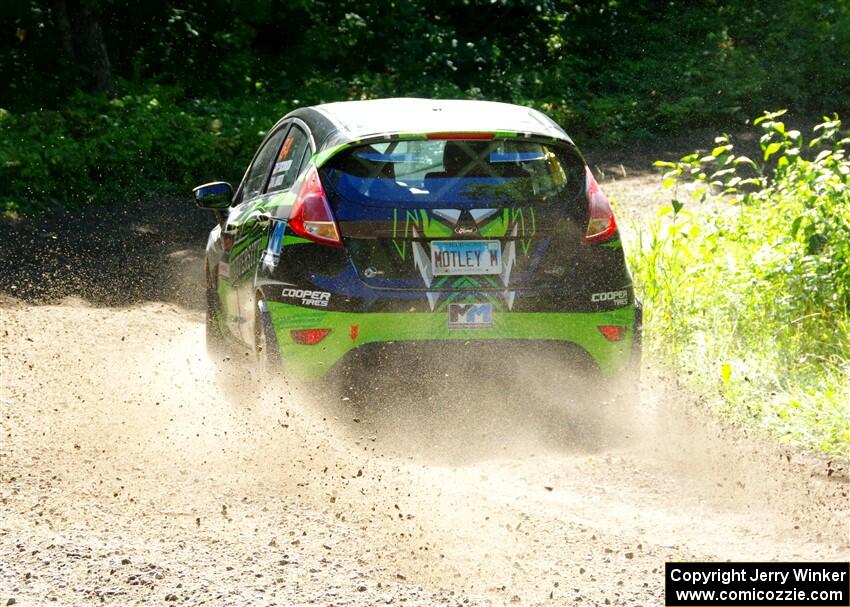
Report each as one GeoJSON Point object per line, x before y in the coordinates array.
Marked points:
{"type": "Point", "coordinates": [104, 100]}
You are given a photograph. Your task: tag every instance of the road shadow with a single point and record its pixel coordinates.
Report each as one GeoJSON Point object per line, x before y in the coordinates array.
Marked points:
{"type": "Point", "coordinates": [119, 255]}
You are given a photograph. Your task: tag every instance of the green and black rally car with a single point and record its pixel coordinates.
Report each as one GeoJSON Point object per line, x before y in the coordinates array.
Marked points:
{"type": "Point", "coordinates": [398, 227]}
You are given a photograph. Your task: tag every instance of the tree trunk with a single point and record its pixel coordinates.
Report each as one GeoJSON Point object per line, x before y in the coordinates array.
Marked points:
{"type": "Point", "coordinates": [78, 23]}
{"type": "Point", "coordinates": [63, 25]}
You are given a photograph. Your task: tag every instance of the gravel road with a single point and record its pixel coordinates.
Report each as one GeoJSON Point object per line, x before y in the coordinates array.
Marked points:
{"type": "Point", "coordinates": [136, 470]}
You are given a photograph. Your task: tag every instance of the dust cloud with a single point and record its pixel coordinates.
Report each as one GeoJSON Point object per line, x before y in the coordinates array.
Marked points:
{"type": "Point", "coordinates": [135, 468]}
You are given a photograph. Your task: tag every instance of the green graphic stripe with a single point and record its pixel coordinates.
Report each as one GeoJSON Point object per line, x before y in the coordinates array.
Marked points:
{"type": "Point", "coordinates": [421, 221]}
{"type": "Point", "coordinates": [290, 240]}
{"type": "Point", "coordinates": [315, 361]}
{"type": "Point", "coordinates": [498, 227]}
{"type": "Point", "coordinates": [281, 200]}
{"type": "Point", "coordinates": [320, 158]}
{"type": "Point", "coordinates": [251, 236]}
{"type": "Point", "coordinates": [414, 136]}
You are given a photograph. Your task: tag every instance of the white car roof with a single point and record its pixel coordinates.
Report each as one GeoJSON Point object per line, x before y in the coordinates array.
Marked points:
{"type": "Point", "coordinates": [360, 119]}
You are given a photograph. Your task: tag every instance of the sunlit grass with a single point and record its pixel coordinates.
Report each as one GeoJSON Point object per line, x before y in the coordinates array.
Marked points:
{"type": "Point", "coordinates": [748, 294]}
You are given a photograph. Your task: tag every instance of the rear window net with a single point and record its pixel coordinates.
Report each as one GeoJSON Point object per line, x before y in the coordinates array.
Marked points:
{"type": "Point", "coordinates": [432, 173]}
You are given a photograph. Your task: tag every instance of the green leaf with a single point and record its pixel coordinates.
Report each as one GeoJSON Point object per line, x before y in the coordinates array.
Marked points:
{"type": "Point", "coordinates": [769, 116]}
{"type": "Point", "coordinates": [771, 149]}
{"type": "Point", "coordinates": [668, 183]}
{"type": "Point", "coordinates": [677, 206]}
{"type": "Point", "coordinates": [726, 373]}
{"type": "Point", "coordinates": [723, 172]}
{"type": "Point", "coordinates": [744, 160]}
{"type": "Point", "coordinates": [795, 225]}
{"type": "Point", "coordinates": [694, 231]}
{"type": "Point", "coordinates": [823, 154]}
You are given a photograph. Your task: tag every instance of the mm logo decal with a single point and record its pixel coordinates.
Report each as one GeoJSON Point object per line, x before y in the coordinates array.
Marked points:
{"type": "Point", "coordinates": [470, 315]}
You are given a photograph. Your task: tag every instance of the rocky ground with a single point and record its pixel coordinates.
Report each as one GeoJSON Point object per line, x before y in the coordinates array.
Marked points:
{"type": "Point", "coordinates": [136, 470]}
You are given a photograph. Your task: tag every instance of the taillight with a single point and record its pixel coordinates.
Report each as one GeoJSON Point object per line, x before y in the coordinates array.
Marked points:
{"type": "Point", "coordinates": [600, 224]}
{"type": "Point", "coordinates": [308, 337]}
{"type": "Point", "coordinates": [612, 332]}
{"type": "Point", "coordinates": [311, 215]}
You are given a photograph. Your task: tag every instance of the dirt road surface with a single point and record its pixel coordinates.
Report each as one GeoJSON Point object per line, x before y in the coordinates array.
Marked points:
{"type": "Point", "coordinates": [137, 470]}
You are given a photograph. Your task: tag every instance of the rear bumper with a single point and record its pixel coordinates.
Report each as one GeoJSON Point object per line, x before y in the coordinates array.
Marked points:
{"type": "Point", "coordinates": [351, 333]}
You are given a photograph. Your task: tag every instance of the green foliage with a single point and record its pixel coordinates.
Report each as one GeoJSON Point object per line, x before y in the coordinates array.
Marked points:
{"type": "Point", "coordinates": [610, 69]}
{"type": "Point", "coordinates": [98, 150]}
{"type": "Point", "coordinates": [607, 71]}
{"type": "Point", "coordinates": [746, 276]}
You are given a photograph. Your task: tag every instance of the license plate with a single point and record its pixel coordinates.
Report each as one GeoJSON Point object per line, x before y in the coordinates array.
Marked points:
{"type": "Point", "coordinates": [470, 315]}
{"type": "Point", "coordinates": [464, 257]}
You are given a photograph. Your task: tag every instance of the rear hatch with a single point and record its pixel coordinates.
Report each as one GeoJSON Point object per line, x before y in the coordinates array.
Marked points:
{"type": "Point", "coordinates": [448, 213]}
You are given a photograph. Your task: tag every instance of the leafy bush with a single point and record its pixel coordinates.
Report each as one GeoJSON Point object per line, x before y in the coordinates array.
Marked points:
{"type": "Point", "coordinates": [608, 71]}
{"type": "Point", "coordinates": [746, 276]}
{"type": "Point", "coordinates": [97, 150]}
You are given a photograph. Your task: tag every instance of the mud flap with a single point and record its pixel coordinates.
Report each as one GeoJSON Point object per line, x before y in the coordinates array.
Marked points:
{"type": "Point", "coordinates": [272, 349]}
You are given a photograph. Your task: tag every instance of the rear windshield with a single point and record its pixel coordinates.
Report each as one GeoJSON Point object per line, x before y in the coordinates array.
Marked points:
{"type": "Point", "coordinates": [433, 173]}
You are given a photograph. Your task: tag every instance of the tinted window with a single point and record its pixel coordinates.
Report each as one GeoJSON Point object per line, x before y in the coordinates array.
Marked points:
{"type": "Point", "coordinates": [432, 173]}
{"type": "Point", "coordinates": [256, 179]}
{"type": "Point", "coordinates": [288, 161]}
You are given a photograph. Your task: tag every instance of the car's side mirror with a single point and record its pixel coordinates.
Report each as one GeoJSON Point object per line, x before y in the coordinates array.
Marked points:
{"type": "Point", "coordinates": [214, 195]}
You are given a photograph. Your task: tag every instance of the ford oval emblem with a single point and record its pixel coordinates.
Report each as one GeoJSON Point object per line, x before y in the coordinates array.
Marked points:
{"type": "Point", "coordinates": [465, 230]}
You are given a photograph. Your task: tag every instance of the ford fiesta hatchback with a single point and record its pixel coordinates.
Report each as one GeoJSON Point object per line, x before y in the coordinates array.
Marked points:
{"type": "Point", "coordinates": [416, 229]}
